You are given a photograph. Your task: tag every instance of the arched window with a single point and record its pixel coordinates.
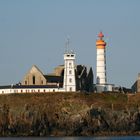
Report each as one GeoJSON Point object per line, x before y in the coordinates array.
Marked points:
{"type": "Point", "coordinates": [98, 80]}
{"type": "Point", "coordinates": [33, 80]}
{"type": "Point", "coordinates": [25, 82]}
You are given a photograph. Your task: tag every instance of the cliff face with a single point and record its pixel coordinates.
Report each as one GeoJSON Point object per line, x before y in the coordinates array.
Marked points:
{"type": "Point", "coordinates": [69, 114]}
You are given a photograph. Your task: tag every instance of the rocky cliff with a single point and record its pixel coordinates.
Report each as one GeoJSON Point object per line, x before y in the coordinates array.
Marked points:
{"type": "Point", "coordinates": [69, 114]}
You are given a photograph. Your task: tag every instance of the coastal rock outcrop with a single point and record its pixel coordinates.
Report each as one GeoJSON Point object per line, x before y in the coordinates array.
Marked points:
{"type": "Point", "coordinates": [69, 115]}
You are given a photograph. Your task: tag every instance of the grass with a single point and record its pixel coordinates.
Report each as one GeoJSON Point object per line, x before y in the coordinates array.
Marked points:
{"type": "Point", "coordinates": [70, 102]}
{"type": "Point", "coordinates": [73, 101]}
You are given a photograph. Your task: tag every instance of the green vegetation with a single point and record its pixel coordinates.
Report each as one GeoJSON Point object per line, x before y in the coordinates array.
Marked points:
{"type": "Point", "coordinates": [67, 114]}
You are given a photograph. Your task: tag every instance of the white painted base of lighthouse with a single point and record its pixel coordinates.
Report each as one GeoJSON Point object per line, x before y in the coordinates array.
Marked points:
{"type": "Point", "coordinates": [104, 88]}
{"type": "Point", "coordinates": [101, 67]}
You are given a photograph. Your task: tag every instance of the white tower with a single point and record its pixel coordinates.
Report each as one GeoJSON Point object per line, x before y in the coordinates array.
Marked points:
{"type": "Point", "coordinates": [101, 60]}
{"type": "Point", "coordinates": [69, 83]}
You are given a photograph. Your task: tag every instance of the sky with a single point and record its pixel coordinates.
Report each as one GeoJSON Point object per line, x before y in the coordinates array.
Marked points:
{"type": "Point", "coordinates": [35, 32]}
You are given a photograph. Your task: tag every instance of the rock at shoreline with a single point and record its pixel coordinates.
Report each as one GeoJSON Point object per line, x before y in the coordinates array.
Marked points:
{"type": "Point", "coordinates": [75, 114]}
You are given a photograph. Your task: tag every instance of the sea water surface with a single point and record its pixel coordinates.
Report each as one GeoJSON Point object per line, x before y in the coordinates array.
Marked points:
{"type": "Point", "coordinates": [103, 138]}
{"type": "Point", "coordinates": [73, 138]}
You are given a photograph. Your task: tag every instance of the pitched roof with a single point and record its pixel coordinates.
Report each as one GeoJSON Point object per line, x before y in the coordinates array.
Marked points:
{"type": "Point", "coordinates": [27, 86]}
{"type": "Point", "coordinates": [53, 78]}
{"type": "Point", "coordinates": [34, 67]}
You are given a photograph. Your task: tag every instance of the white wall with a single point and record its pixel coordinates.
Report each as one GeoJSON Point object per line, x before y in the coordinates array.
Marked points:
{"type": "Point", "coordinates": [30, 90]}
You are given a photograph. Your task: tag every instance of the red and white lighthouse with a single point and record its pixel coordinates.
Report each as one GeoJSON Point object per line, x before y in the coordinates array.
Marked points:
{"type": "Point", "coordinates": [101, 78]}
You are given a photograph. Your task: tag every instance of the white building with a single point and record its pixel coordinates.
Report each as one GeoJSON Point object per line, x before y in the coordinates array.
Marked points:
{"type": "Point", "coordinates": [69, 83]}
{"type": "Point", "coordinates": [36, 82]}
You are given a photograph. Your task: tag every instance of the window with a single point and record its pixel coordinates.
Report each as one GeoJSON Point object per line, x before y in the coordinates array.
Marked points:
{"type": "Point", "coordinates": [69, 64]}
{"type": "Point", "coordinates": [70, 88]}
{"type": "Point", "coordinates": [70, 80]}
{"type": "Point", "coordinates": [33, 80]}
{"type": "Point", "coordinates": [42, 82]}
{"type": "Point", "coordinates": [70, 72]}
{"type": "Point", "coordinates": [25, 82]}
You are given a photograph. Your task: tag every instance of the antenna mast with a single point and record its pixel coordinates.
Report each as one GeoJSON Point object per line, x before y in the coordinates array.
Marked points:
{"type": "Point", "coordinates": [67, 44]}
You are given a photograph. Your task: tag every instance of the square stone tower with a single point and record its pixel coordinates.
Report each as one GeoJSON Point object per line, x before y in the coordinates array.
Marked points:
{"type": "Point", "coordinates": [69, 83]}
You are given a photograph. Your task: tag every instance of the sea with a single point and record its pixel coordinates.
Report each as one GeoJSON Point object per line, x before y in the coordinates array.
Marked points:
{"type": "Point", "coordinates": [73, 138]}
